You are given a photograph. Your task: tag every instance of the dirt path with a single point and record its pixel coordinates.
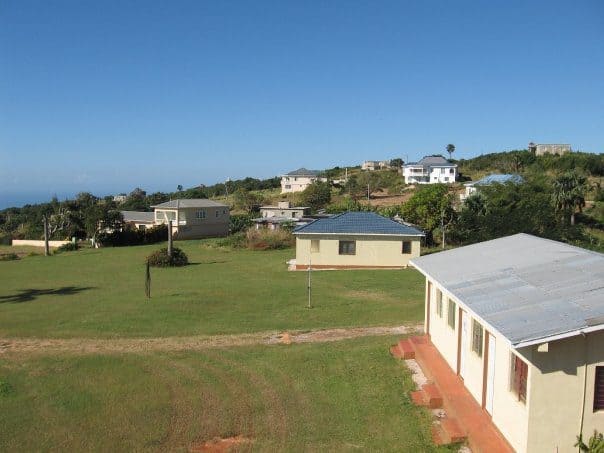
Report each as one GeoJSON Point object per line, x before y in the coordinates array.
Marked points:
{"type": "Point", "coordinates": [91, 345]}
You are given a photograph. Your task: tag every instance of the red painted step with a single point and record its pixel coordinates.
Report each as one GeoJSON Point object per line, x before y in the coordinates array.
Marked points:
{"type": "Point", "coordinates": [433, 396]}
{"type": "Point", "coordinates": [449, 432]}
{"type": "Point", "coordinates": [407, 349]}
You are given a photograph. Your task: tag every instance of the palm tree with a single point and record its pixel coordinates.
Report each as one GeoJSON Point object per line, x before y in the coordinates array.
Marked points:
{"type": "Point", "coordinates": [450, 149]}
{"type": "Point", "coordinates": [569, 193]}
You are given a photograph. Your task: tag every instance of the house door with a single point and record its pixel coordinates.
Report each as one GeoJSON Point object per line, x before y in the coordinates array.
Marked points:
{"type": "Point", "coordinates": [463, 344]}
{"type": "Point", "coordinates": [490, 375]}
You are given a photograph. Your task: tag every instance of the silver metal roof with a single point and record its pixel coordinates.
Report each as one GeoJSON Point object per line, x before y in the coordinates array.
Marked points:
{"type": "Point", "coordinates": [527, 288]}
{"type": "Point", "coordinates": [138, 216]}
{"type": "Point", "coordinates": [189, 203]}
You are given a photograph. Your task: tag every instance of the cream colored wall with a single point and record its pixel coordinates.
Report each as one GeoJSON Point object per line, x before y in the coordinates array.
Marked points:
{"type": "Point", "coordinates": [443, 337]}
{"type": "Point", "coordinates": [189, 226]}
{"type": "Point", "coordinates": [371, 251]}
{"type": "Point", "coordinates": [557, 381]}
{"type": "Point", "coordinates": [34, 243]}
{"type": "Point", "coordinates": [509, 415]}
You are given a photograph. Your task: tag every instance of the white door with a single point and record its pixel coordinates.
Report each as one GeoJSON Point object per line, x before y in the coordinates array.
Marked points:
{"type": "Point", "coordinates": [490, 374]}
{"type": "Point", "coordinates": [465, 327]}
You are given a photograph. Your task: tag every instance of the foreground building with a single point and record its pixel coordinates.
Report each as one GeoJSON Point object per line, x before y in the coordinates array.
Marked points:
{"type": "Point", "coordinates": [430, 170]}
{"type": "Point", "coordinates": [191, 218]}
{"type": "Point", "coordinates": [356, 240]}
{"type": "Point", "coordinates": [520, 321]}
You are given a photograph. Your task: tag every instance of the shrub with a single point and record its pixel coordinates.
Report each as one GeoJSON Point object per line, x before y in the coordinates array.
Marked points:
{"type": "Point", "coordinates": [236, 241]}
{"type": "Point", "coordinates": [160, 258]}
{"type": "Point", "coordinates": [132, 236]}
{"type": "Point", "coordinates": [69, 247]}
{"type": "Point", "coordinates": [265, 239]}
{"type": "Point", "coordinates": [9, 257]}
{"type": "Point", "coordinates": [240, 222]}
{"type": "Point", "coordinates": [5, 388]}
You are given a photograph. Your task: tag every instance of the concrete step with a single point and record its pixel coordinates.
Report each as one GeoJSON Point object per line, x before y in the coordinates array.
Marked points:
{"type": "Point", "coordinates": [447, 432]}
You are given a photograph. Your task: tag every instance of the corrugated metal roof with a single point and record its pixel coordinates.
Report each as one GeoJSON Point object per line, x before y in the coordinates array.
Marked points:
{"type": "Point", "coordinates": [358, 223]}
{"type": "Point", "coordinates": [190, 203]}
{"type": "Point", "coordinates": [528, 288]}
{"type": "Point", "coordinates": [138, 216]}
{"type": "Point", "coordinates": [497, 179]}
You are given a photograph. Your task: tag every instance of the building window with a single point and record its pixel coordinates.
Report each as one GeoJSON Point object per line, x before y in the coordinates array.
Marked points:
{"type": "Point", "coordinates": [201, 214]}
{"type": "Point", "coordinates": [217, 213]}
{"type": "Point", "coordinates": [451, 171]}
{"type": "Point", "coordinates": [288, 186]}
{"type": "Point", "coordinates": [406, 247]}
{"type": "Point", "coordinates": [314, 245]}
{"type": "Point", "coordinates": [518, 377]}
{"type": "Point", "coordinates": [224, 212]}
{"type": "Point", "coordinates": [599, 389]}
{"type": "Point", "coordinates": [451, 314]}
{"type": "Point", "coordinates": [439, 303]}
{"type": "Point", "coordinates": [348, 248]}
{"type": "Point", "coordinates": [477, 334]}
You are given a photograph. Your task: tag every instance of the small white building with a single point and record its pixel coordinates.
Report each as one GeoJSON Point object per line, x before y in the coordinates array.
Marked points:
{"type": "Point", "coordinates": [430, 170]}
{"type": "Point", "coordinates": [473, 187]}
{"type": "Point", "coordinates": [298, 180]}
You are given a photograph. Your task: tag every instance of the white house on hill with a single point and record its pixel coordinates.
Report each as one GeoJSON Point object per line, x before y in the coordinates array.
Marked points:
{"type": "Point", "coordinates": [298, 180]}
{"type": "Point", "coordinates": [430, 170]}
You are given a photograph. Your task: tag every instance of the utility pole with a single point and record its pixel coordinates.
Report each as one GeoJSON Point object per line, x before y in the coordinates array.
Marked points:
{"type": "Point", "coordinates": [46, 246]}
{"type": "Point", "coordinates": [442, 227]}
{"type": "Point", "coordinates": [170, 238]}
{"type": "Point", "coordinates": [367, 191]}
{"type": "Point", "coordinates": [309, 286]}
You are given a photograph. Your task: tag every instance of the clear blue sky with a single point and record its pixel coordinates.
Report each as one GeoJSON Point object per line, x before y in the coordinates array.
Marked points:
{"type": "Point", "coordinates": [108, 95]}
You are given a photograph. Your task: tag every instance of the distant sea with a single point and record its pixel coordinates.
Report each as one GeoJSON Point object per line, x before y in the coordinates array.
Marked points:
{"type": "Point", "coordinates": [10, 200]}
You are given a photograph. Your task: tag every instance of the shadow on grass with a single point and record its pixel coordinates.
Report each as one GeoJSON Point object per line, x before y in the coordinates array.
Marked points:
{"type": "Point", "coordinates": [27, 295]}
{"type": "Point", "coordinates": [207, 262]}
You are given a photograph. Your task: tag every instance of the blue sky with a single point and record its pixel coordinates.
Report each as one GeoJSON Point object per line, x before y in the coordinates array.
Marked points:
{"type": "Point", "coordinates": [105, 96]}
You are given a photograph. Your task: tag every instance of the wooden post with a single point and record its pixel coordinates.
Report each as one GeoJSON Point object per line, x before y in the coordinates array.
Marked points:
{"type": "Point", "coordinates": [148, 282]}
{"type": "Point", "coordinates": [46, 246]}
{"type": "Point", "coordinates": [170, 238]}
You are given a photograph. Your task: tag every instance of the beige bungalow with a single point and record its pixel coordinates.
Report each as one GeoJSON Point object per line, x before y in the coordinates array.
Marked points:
{"type": "Point", "coordinates": [520, 321]}
{"type": "Point", "coordinates": [355, 240]}
{"type": "Point", "coordinates": [139, 219]}
{"type": "Point", "coordinates": [194, 218]}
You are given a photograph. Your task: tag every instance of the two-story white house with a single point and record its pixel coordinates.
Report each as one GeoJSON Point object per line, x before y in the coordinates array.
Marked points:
{"type": "Point", "coordinates": [298, 180]}
{"type": "Point", "coordinates": [430, 170]}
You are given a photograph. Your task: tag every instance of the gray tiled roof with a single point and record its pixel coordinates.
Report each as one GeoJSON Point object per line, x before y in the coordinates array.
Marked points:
{"type": "Point", "coordinates": [190, 203]}
{"type": "Point", "coordinates": [138, 216]}
{"type": "Point", "coordinates": [303, 172]}
{"type": "Point", "coordinates": [358, 223]}
{"type": "Point", "coordinates": [498, 179]}
{"type": "Point", "coordinates": [525, 287]}
{"type": "Point", "coordinates": [432, 161]}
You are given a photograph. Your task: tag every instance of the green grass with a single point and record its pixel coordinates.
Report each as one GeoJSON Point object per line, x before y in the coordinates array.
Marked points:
{"type": "Point", "coordinates": [99, 293]}
{"type": "Point", "coordinates": [343, 396]}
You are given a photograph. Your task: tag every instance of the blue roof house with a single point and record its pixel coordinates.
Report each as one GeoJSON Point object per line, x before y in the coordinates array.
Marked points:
{"type": "Point", "coordinates": [474, 186]}
{"type": "Point", "coordinates": [355, 240]}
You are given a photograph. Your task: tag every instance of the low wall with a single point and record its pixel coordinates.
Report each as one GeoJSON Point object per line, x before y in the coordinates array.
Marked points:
{"type": "Point", "coordinates": [33, 243]}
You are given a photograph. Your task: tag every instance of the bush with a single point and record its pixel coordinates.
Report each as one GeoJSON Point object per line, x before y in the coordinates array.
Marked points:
{"type": "Point", "coordinates": [236, 241]}
{"type": "Point", "coordinates": [69, 247]}
{"type": "Point", "coordinates": [9, 257]}
{"type": "Point", "coordinates": [160, 258]}
{"type": "Point", "coordinates": [240, 222]}
{"type": "Point", "coordinates": [5, 388]}
{"type": "Point", "coordinates": [265, 239]}
{"type": "Point", "coordinates": [132, 236]}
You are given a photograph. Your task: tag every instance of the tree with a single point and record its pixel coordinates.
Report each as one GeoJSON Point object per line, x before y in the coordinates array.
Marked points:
{"type": "Point", "coordinates": [317, 195]}
{"type": "Point", "coordinates": [569, 194]}
{"type": "Point", "coordinates": [179, 187]}
{"type": "Point", "coordinates": [246, 200]}
{"type": "Point", "coordinates": [450, 149]}
{"type": "Point", "coordinates": [396, 163]}
{"type": "Point", "coordinates": [427, 208]}
{"type": "Point", "coordinates": [353, 188]}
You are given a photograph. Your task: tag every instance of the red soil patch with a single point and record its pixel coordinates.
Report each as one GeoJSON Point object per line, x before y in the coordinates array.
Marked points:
{"type": "Point", "coordinates": [219, 445]}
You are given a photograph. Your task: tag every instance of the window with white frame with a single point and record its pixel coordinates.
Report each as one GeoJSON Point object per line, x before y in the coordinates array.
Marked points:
{"type": "Point", "coordinates": [315, 245]}
{"type": "Point", "coordinates": [217, 213]}
{"type": "Point", "coordinates": [201, 214]}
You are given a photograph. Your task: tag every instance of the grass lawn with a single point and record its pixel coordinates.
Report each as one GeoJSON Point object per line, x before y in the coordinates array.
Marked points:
{"type": "Point", "coordinates": [344, 396]}
{"type": "Point", "coordinates": [98, 293]}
